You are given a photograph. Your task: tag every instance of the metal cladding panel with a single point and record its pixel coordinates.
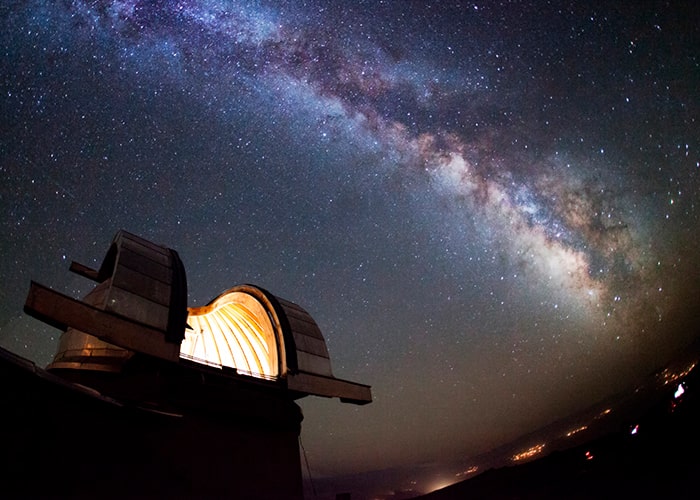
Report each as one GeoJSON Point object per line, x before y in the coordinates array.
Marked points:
{"type": "Point", "coordinates": [134, 306]}
{"type": "Point", "coordinates": [313, 374]}
{"type": "Point", "coordinates": [299, 319]}
{"type": "Point", "coordinates": [140, 283]}
{"type": "Point", "coordinates": [151, 252]}
{"type": "Point", "coordinates": [143, 264]}
{"type": "Point", "coordinates": [98, 296]}
{"type": "Point", "coordinates": [305, 327]}
{"type": "Point", "coordinates": [310, 347]}
{"type": "Point", "coordinates": [314, 364]}
{"type": "Point", "coordinates": [146, 287]}
{"type": "Point", "coordinates": [125, 235]}
{"type": "Point", "coordinates": [148, 284]}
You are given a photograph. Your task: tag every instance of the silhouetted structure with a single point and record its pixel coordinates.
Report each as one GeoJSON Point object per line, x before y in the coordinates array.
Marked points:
{"type": "Point", "coordinates": [147, 398]}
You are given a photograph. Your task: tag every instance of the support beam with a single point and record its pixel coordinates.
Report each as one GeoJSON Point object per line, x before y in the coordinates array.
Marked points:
{"type": "Point", "coordinates": [331, 387]}
{"type": "Point", "coordinates": [84, 271]}
{"type": "Point", "coordinates": [62, 311]}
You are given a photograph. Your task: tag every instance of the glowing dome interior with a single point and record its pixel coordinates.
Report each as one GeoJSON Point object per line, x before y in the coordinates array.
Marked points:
{"type": "Point", "coordinates": [234, 330]}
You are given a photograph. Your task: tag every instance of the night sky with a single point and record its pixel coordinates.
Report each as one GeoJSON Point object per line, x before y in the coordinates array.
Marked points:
{"type": "Point", "coordinates": [489, 208]}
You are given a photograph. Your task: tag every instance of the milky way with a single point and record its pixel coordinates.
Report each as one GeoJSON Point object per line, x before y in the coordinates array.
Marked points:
{"type": "Point", "coordinates": [490, 210]}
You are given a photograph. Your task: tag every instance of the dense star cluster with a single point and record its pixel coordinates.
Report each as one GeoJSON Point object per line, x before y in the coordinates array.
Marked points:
{"type": "Point", "coordinates": [490, 208]}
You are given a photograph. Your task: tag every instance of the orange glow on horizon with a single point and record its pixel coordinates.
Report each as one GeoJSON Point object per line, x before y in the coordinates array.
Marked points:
{"type": "Point", "coordinates": [470, 470]}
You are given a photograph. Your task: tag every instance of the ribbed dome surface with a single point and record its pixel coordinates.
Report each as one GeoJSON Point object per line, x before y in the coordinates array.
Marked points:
{"type": "Point", "coordinates": [235, 331]}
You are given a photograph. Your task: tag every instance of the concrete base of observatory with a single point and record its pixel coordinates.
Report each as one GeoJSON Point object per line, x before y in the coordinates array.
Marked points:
{"type": "Point", "coordinates": [63, 439]}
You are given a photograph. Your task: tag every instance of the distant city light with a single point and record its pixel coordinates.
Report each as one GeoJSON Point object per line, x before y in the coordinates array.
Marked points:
{"type": "Point", "coordinates": [470, 470]}
{"type": "Point", "coordinates": [668, 376]}
{"type": "Point", "coordinates": [606, 411]}
{"type": "Point", "coordinates": [576, 431]}
{"type": "Point", "coordinates": [529, 453]}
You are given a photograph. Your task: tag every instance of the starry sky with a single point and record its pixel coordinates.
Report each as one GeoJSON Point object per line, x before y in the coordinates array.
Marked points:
{"type": "Point", "coordinates": [489, 208]}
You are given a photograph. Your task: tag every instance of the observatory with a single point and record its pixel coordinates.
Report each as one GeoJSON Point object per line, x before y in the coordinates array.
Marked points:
{"type": "Point", "coordinates": [147, 397]}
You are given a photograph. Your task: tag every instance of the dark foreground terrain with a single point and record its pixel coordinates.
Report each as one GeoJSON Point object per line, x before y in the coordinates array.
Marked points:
{"type": "Point", "coordinates": [653, 455]}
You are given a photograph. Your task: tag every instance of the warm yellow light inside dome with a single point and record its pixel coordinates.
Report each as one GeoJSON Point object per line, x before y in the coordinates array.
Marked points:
{"type": "Point", "coordinates": [235, 331]}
